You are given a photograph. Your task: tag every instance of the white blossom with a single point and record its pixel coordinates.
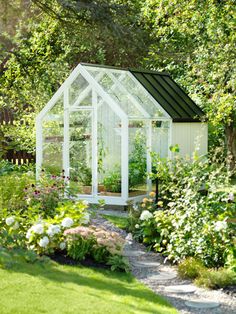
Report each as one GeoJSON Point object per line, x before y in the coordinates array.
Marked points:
{"type": "Point", "coordinates": [137, 226]}
{"type": "Point", "coordinates": [29, 233]}
{"type": "Point", "coordinates": [53, 229]}
{"type": "Point", "coordinates": [85, 203]}
{"type": "Point", "coordinates": [220, 225]}
{"type": "Point", "coordinates": [38, 228]}
{"type": "Point", "coordinates": [146, 215]}
{"type": "Point", "coordinates": [44, 242]}
{"type": "Point", "coordinates": [10, 221]}
{"type": "Point", "coordinates": [67, 222]}
{"type": "Point", "coordinates": [231, 196]}
{"type": "Point", "coordinates": [85, 219]}
{"type": "Point", "coordinates": [62, 245]}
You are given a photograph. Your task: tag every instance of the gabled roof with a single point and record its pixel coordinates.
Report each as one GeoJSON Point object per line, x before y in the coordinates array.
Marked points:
{"type": "Point", "coordinates": [169, 95]}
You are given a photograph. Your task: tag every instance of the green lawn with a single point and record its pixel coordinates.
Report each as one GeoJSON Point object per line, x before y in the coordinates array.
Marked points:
{"type": "Point", "coordinates": [56, 289]}
{"type": "Point", "coordinates": [120, 222]}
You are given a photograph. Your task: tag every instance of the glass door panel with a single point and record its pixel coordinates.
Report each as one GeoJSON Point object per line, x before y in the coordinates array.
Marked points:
{"type": "Point", "coordinates": [81, 151]}
{"type": "Point", "coordinates": [137, 158]}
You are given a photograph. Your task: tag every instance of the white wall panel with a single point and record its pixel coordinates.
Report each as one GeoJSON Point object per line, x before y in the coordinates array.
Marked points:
{"type": "Point", "coordinates": [190, 137]}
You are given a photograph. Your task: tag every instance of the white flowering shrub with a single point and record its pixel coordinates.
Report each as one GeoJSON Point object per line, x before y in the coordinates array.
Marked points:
{"type": "Point", "coordinates": [192, 217]}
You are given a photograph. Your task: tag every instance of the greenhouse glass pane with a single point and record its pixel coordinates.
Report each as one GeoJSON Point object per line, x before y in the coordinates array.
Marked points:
{"type": "Point", "coordinates": [109, 151]}
{"type": "Point", "coordinates": [137, 158]}
{"type": "Point", "coordinates": [78, 86]}
{"type": "Point", "coordinates": [52, 128]}
{"type": "Point", "coordinates": [160, 133]}
{"type": "Point", "coordinates": [139, 93]}
{"type": "Point", "coordinates": [81, 151]}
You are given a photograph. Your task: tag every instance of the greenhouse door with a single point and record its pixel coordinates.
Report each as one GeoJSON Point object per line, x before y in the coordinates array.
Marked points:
{"type": "Point", "coordinates": [80, 150]}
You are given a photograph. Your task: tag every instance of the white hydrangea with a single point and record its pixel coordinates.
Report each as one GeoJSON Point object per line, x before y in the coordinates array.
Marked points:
{"type": "Point", "coordinates": [220, 225]}
{"type": "Point", "coordinates": [62, 245]}
{"type": "Point", "coordinates": [85, 219]}
{"type": "Point", "coordinates": [44, 242]}
{"type": "Point", "coordinates": [146, 215]}
{"type": "Point", "coordinates": [53, 229]}
{"type": "Point", "coordinates": [10, 221]}
{"type": "Point", "coordinates": [38, 228]}
{"type": "Point", "coordinates": [67, 222]}
{"type": "Point", "coordinates": [29, 233]}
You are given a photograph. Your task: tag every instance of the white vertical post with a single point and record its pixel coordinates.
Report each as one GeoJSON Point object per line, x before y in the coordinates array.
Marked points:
{"type": "Point", "coordinates": [149, 149]}
{"type": "Point", "coordinates": [94, 145]}
{"type": "Point", "coordinates": [66, 131]}
{"type": "Point", "coordinates": [125, 159]}
{"type": "Point", "coordinates": [39, 146]}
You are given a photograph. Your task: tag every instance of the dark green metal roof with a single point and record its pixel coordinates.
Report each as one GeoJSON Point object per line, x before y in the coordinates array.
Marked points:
{"type": "Point", "coordinates": [166, 92]}
{"type": "Point", "coordinates": [169, 95]}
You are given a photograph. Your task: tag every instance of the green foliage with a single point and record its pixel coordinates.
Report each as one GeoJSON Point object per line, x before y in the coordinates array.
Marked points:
{"type": "Point", "coordinates": [215, 279]}
{"type": "Point", "coordinates": [137, 161]}
{"type": "Point", "coordinates": [195, 42]}
{"type": "Point", "coordinates": [112, 182]}
{"type": "Point", "coordinates": [49, 191]}
{"type": "Point", "coordinates": [118, 263]}
{"type": "Point", "coordinates": [193, 221]}
{"type": "Point", "coordinates": [190, 268]}
{"type": "Point", "coordinates": [78, 247]}
{"type": "Point", "coordinates": [12, 193]}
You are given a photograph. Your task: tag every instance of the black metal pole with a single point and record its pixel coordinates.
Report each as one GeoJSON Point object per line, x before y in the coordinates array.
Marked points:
{"type": "Point", "coordinates": [157, 190]}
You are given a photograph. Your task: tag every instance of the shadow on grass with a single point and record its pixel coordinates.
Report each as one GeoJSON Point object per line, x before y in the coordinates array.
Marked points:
{"type": "Point", "coordinates": [119, 284]}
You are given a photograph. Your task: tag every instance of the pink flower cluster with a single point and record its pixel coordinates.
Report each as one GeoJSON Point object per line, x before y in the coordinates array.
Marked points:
{"type": "Point", "coordinates": [103, 238]}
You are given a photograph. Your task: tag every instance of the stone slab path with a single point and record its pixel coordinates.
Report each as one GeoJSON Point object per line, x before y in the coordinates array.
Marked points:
{"type": "Point", "coordinates": [150, 269]}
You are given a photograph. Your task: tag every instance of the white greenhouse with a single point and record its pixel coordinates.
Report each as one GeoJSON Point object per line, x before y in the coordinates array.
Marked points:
{"type": "Point", "coordinates": [103, 122]}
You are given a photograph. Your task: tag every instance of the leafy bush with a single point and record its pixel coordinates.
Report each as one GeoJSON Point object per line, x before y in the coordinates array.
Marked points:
{"type": "Point", "coordinates": [187, 222]}
{"type": "Point", "coordinates": [190, 268]}
{"type": "Point", "coordinates": [7, 167]}
{"type": "Point", "coordinates": [214, 279]}
{"type": "Point", "coordinates": [12, 193]}
{"type": "Point", "coordinates": [118, 263]}
{"type": "Point", "coordinates": [112, 182]}
{"type": "Point", "coordinates": [48, 193]}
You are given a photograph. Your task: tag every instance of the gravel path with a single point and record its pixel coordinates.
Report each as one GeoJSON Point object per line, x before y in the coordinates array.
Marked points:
{"type": "Point", "coordinates": [150, 276]}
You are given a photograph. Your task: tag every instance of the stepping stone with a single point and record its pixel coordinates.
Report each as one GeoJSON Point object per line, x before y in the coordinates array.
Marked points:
{"type": "Point", "coordinates": [162, 276]}
{"type": "Point", "coordinates": [130, 253]}
{"type": "Point", "coordinates": [202, 304]}
{"type": "Point", "coordinates": [143, 264]}
{"type": "Point", "coordinates": [181, 289]}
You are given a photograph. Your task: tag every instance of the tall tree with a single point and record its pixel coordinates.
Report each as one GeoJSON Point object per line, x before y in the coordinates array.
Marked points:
{"type": "Point", "coordinates": [195, 40]}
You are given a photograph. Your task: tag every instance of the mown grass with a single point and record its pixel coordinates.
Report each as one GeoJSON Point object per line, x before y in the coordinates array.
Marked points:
{"type": "Point", "coordinates": [58, 289]}
{"type": "Point", "coordinates": [120, 222]}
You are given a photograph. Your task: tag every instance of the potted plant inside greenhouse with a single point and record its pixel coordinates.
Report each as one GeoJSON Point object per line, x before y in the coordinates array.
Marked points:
{"type": "Point", "coordinates": [102, 124]}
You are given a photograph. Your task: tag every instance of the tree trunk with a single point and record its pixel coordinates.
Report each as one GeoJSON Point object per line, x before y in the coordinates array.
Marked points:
{"type": "Point", "coordinates": [230, 132]}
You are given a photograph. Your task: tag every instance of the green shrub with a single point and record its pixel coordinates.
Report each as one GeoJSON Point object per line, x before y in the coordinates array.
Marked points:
{"type": "Point", "coordinates": [187, 222]}
{"type": "Point", "coordinates": [119, 263]}
{"type": "Point", "coordinates": [190, 268]}
{"type": "Point", "coordinates": [12, 190]}
{"type": "Point", "coordinates": [214, 279]}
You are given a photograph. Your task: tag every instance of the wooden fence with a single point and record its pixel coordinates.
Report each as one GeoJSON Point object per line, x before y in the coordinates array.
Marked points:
{"type": "Point", "coordinates": [16, 157]}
